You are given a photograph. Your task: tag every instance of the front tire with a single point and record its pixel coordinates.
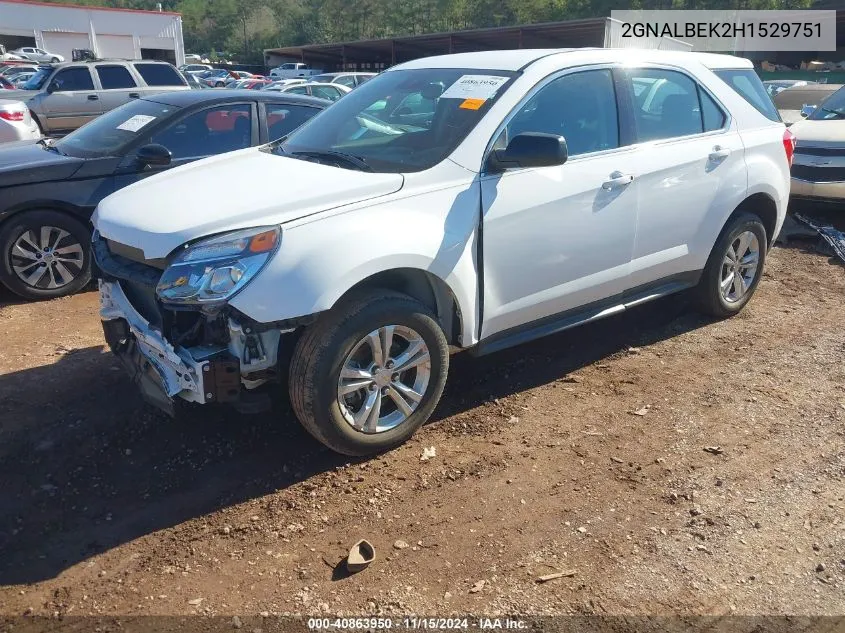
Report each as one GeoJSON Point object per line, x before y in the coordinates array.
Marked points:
{"type": "Point", "coordinates": [54, 60]}
{"type": "Point", "coordinates": [369, 373]}
{"type": "Point", "coordinates": [734, 268]}
{"type": "Point", "coordinates": [45, 254]}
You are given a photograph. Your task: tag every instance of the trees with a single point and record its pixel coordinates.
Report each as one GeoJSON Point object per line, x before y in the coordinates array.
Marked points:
{"type": "Point", "coordinates": [246, 25]}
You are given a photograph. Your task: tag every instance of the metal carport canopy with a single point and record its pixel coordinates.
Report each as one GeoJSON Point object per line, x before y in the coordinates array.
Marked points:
{"type": "Point", "coordinates": [394, 50]}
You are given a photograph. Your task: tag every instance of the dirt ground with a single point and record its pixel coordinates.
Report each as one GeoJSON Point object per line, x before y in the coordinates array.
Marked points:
{"type": "Point", "coordinates": [672, 464]}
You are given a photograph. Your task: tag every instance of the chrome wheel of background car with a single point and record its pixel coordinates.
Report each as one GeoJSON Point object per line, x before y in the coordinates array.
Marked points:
{"type": "Point", "coordinates": [739, 267]}
{"type": "Point", "coordinates": [47, 259]}
{"type": "Point", "coordinates": [383, 379]}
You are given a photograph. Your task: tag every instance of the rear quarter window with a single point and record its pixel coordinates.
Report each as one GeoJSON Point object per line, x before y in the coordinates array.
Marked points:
{"type": "Point", "coordinates": [747, 84]}
{"type": "Point", "coordinates": [159, 75]}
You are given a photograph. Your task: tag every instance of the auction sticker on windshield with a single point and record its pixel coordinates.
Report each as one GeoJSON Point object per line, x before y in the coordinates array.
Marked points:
{"type": "Point", "coordinates": [474, 87]}
{"type": "Point", "coordinates": [135, 123]}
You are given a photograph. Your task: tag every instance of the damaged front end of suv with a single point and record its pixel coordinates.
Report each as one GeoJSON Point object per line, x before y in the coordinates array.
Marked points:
{"type": "Point", "coordinates": [170, 322]}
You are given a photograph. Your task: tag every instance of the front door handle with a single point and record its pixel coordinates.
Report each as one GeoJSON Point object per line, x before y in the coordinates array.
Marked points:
{"type": "Point", "coordinates": [719, 153]}
{"type": "Point", "coordinates": [134, 95]}
{"type": "Point", "coordinates": [617, 179]}
{"type": "Point", "coordinates": [93, 98]}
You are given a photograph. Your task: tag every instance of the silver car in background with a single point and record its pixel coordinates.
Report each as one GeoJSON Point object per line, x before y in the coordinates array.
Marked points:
{"type": "Point", "coordinates": [38, 55]}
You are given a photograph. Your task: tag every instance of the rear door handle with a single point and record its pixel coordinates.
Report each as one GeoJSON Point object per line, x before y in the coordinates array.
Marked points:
{"type": "Point", "coordinates": [617, 179]}
{"type": "Point", "coordinates": [93, 98]}
{"type": "Point", "coordinates": [134, 95]}
{"type": "Point", "coordinates": [719, 153]}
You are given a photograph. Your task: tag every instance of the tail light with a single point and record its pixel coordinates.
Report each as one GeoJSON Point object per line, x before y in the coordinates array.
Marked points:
{"type": "Point", "coordinates": [12, 115]}
{"type": "Point", "coordinates": [789, 145]}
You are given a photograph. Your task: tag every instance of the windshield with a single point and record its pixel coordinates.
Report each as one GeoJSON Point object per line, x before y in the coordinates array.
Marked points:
{"type": "Point", "coordinates": [113, 131]}
{"type": "Point", "coordinates": [402, 120]}
{"type": "Point", "coordinates": [37, 80]}
{"type": "Point", "coordinates": [831, 108]}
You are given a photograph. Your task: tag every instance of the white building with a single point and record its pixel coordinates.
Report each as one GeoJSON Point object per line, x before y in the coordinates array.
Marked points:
{"type": "Point", "coordinates": [114, 33]}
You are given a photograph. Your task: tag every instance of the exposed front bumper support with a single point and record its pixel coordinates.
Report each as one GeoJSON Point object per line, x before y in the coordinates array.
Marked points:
{"type": "Point", "coordinates": [177, 372]}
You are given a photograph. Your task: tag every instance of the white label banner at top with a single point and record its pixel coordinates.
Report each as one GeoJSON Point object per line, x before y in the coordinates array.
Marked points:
{"type": "Point", "coordinates": [135, 123]}
{"type": "Point", "coordinates": [474, 87]}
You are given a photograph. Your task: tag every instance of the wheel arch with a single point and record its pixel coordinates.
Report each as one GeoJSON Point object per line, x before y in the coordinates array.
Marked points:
{"type": "Point", "coordinates": [423, 286]}
{"type": "Point", "coordinates": [764, 207]}
{"type": "Point", "coordinates": [80, 215]}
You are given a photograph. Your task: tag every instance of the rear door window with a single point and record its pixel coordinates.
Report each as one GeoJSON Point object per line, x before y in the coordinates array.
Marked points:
{"type": "Point", "coordinates": [283, 118]}
{"type": "Point", "coordinates": [115, 77]}
{"type": "Point", "coordinates": [747, 84]}
{"type": "Point", "coordinates": [159, 75]}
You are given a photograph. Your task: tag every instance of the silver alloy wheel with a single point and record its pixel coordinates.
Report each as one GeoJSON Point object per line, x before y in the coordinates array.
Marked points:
{"type": "Point", "coordinates": [383, 379]}
{"type": "Point", "coordinates": [739, 268]}
{"type": "Point", "coordinates": [48, 260]}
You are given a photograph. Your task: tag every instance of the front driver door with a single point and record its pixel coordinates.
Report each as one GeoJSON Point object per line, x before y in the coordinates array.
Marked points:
{"type": "Point", "coordinates": [198, 135]}
{"type": "Point", "coordinates": [560, 238]}
{"type": "Point", "coordinates": [71, 100]}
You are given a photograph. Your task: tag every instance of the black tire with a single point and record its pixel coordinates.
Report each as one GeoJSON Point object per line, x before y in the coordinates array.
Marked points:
{"type": "Point", "coordinates": [54, 60]}
{"type": "Point", "coordinates": [25, 221]}
{"type": "Point", "coordinates": [219, 84]}
{"type": "Point", "coordinates": [708, 294]}
{"type": "Point", "coordinates": [322, 350]}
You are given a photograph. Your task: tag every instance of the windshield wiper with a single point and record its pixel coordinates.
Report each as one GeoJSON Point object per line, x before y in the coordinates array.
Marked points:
{"type": "Point", "coordinates": [356, 161]}
{"type": "Point", "coordinates": [47, 143]}
{"type": "Point", "coordinates": [836, 112]}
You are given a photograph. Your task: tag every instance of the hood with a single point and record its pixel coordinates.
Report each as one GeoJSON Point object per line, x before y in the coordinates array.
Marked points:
{"type": "Point", "coordinates": [20, 95]}
{"type": "Point", "coordinates": [27, 162]}
{"type": "Point", "coordinates": [830, 131]}
{"type": "Point", "coordinates": [232, 191]}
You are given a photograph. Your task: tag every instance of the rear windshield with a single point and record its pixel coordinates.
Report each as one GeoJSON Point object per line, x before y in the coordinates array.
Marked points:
{"type": "Point", "coordinates": [159, 75]}
{"type": "Point", "coordinates": [748, 85]}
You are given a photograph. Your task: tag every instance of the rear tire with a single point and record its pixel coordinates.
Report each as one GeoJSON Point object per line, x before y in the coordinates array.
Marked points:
{"type": "Point", "coordinates": [333, 408]}
{"type": "Point", "coordinates": [734, 267]}
{"type": "Point", "coordinates": [33, 273]}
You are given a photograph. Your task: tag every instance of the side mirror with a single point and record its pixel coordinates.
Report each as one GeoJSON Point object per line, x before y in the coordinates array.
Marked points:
{"type": "Point", "coordinates": [52, 87]}
{"type": "Point", "coordinates": [807, 110]}
{"type": "Point", "coordinates": [530, 149]}
{"type": "Point", "coordinates": [154, 155]}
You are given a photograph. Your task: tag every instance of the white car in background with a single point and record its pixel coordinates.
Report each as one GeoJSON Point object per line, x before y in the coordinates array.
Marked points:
{"type": "Point", "coordinates": [38, 55]}
{"type": "Point", "coordinates": [16, 122]}
{"type": "Point", "coordinates": [332, 92]}
{"type": "Point", "coordinates": [283, 83]}
{"type": "Point", "coordinates": [490, 199]}
{"type": "Point", "coordinates": [350, 80]}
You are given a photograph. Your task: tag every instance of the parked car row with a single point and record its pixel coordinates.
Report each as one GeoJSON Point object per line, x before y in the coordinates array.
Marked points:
{"type": "Point", "coordinates": [48, 190]}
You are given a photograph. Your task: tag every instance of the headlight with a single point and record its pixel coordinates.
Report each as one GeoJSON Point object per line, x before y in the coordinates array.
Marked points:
{"type": "Point", "coordinates": [212, 271]}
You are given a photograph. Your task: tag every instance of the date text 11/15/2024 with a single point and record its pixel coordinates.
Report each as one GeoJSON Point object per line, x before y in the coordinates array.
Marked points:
{"type": "Point", "coordinates": [416, 623]}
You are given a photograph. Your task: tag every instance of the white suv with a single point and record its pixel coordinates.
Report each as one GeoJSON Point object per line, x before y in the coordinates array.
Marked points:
{"type": "Point", "coordinates": [470, 201]}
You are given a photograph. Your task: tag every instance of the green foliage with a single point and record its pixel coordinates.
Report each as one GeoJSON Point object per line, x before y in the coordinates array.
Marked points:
{"type": "Point", "coordinates": [243, 28]}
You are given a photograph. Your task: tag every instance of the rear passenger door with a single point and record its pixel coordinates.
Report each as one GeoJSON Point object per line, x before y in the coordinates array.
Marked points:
{"type": "Point", "coordinates": [71, 100]}
{"type": "Point", "coordinates": [691, 169]}
{"type": "Point", "coordinates": [280, 119]}
{"type": "Point", "coordinates": [117, 85]}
